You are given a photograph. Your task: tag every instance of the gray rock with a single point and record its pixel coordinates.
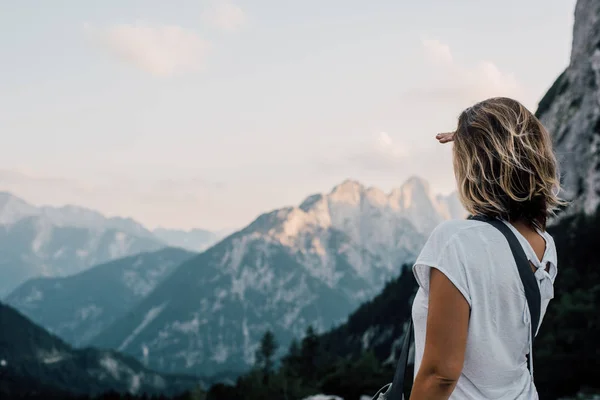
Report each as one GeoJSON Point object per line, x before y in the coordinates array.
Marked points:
{"type": "Point", "coordinates": [571, 112]}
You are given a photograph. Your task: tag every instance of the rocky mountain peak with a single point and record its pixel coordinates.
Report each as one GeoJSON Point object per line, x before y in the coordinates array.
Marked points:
{"type": "Point", "coordinates": [570, 111]}
{"type": "Point", "coordinates": [414, 191]}
{"type": "Point", "coordinates": [13, 208]}
{"type": "Point", "coordinates": [349, 191]}
{"type": "Point", "coordinates": [586, 30]}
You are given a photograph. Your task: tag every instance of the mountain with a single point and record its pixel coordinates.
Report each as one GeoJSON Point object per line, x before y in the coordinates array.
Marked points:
{"type": "Point", "coordinates": [78, 307]}
{"type": "Point", "coordinates": [48, 241]}
{"type": "Point", "coordinates": [193, 240]}
{"type": "Point", "coordinates": [29, 354]}
{"type": "Point", "coordinates": [571, 113]}
{"type": "Point", "coordinates": [351, 361]}
{"type": "Point", "coordinates": [13, 209]}
{"type": "Point", "coordinates": [378, 325]}
{"type": "Point", "coordinates": [33, 247]}
{"type": "Point", "coordinates": [311, 264]}
{"type": "Point", "coordinates": [415, 201]}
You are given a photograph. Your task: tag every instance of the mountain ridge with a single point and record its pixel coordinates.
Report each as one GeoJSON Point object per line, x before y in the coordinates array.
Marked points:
{"type": "Point", "coordinates": [192, 239]}
{"type": "Point", "coordinates": [50, 241]}
{"type": "Point", "coordinates": [14, 208]}
{"type": "Point", "coordinates": [307, 264]}
{"type": "Point", "coordinates": [571, 113]}
{"type": "Point", "coordinates": [33, 246]}
{"type": "Point", "coordinates": [28, 352]}
{"type": "Point", "coordinates": [78, 307]}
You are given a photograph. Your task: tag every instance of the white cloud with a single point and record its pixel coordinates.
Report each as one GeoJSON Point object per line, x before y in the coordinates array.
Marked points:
{"type": "Point", "coordinates": [390, 159]}
{"type": "Point", "coordinates": [444, 86]}
{"type": "Point", "coordinates": [438, 51]}
{"type": "Point", "coordinates": [452, 81]}
{"type": "Point", "coordinates": [384, 139]}
{"type": "Point", "coordinates": [225, 16]}
{"type": "Point", "coordinates": [162, 50]}
{"type": "Point", "coordinates": [385, 146]}
{"type": "Point", "coordinates": [381, 152]}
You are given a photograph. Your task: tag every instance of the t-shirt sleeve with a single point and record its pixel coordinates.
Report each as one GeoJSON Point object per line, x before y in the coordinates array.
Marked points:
{"type": "Point", "coordinates": [444, 253]}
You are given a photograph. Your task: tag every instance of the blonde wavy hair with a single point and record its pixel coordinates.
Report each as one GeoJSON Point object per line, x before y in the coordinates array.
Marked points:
{"type": "Point", "coordinates": [504, 163]}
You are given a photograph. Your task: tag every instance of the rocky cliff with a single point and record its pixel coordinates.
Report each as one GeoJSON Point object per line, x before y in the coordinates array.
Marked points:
{"type": "Point", "coordinates": [571, 112]}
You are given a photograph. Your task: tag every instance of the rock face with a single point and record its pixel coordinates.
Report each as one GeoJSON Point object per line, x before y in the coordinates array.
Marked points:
{"type": "Point", "coordinates": [311, 264]}
{"type": "Point", "coordinates": [571, 112]}
{"type": "Point", "coordinates": [80, 306]}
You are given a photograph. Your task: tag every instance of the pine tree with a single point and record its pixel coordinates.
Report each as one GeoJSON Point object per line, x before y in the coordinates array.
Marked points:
{"type": "Point", "coordinates": [309, 355]}
{"type": "Point", "coordinates": [291, 361]}
{"type": "Point", "coordinates": [265, 354]}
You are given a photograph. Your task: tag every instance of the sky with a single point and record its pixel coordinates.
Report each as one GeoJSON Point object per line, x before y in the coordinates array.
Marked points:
{"type": "Point", "coordinates": [206, 113]}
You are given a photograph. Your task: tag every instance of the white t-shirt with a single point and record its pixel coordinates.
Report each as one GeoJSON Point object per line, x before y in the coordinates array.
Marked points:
{"type": "Point", "coordinates": [477, 259]}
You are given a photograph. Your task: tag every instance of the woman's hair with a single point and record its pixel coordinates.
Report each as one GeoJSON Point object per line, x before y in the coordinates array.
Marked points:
{"type": "Point", "coordinates": [504, 163]}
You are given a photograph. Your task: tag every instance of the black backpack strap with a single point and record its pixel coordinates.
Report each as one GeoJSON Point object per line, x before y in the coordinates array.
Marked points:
{"type": "Point", "coordinates": [397, 388]}
{"type": "Point", "coordinates": [532, 290]}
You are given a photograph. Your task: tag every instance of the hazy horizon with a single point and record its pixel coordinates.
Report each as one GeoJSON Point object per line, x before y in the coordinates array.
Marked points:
{"type": "Point", "coordinates": [205, 114]}
{"type": "Point", "coordinates": [230, 229]}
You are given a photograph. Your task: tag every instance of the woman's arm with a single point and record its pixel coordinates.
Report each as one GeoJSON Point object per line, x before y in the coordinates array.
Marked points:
{"type": "Point", "coordinates": [445, 340]}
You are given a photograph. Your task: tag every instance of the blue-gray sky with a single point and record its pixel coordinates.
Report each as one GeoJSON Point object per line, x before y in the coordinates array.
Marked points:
{"type": "Point", "coordinates": [191, 113]}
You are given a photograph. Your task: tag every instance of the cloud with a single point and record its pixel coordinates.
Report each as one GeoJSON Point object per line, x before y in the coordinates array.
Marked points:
{"type": "Point", "coordinates": [380, 152]}
{"type": "Point", "coordinates": [433, 99]}
{"type": "Point", "coordinates": [162, 50]}
{"type": "Point", "coordinates": [384, 146]}
{"type": "Point", "coordinates": [437, 51]}
{"type": "Point", "coordinates": [225, 16]}
{"type": "Point", "coordinates": [452, 81]}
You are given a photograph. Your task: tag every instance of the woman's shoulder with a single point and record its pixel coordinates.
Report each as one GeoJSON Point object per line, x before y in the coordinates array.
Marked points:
{"type": "Point", "coordinates": [448, 236]}
{"type": "Point", "coordinates": [455, 228]}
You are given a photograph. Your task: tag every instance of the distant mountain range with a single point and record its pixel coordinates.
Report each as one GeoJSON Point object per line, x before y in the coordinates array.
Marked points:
{"type": "Point", "coordinates": [193, 240]}
{"type": "Point", "coordinates": [61, 241]}
{"type": "Point", "coordinates": [32, 358]}
{"type": "Point", "coordinates": [14, 209]}
{"type": "Point", "coordinates": [204, 314]}
{"type": "Point", "coordinates": [311, 264]}
{"type": "Point", "coordinates": [80, 306]}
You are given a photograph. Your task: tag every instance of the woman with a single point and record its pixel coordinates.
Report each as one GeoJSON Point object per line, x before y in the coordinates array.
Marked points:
{"type": "Point", "coordinates": [471, 319]}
